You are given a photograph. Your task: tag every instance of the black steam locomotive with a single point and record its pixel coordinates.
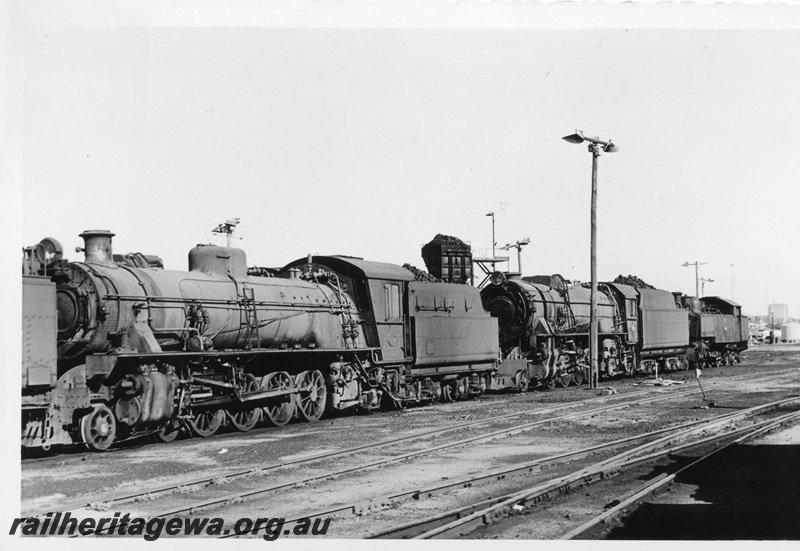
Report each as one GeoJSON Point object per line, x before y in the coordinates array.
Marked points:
{"type": "Point", "coordinates": [544, 329]}
{"type": "Point", "coordinates": [116, 347]}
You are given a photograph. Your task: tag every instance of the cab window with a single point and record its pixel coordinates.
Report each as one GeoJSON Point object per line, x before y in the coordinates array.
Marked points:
{"type": "Point", "coordinates": [392, 301]}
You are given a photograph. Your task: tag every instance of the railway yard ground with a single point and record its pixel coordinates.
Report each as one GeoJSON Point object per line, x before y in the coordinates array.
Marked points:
{"type": "Point", "coordinates": [619, 462]}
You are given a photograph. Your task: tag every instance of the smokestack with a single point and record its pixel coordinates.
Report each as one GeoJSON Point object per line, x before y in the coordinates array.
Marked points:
{"type": "Point", "coordinates": [97, 246]}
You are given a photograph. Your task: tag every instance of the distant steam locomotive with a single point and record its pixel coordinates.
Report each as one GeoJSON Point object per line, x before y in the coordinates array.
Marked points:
{"type": "Point", "coordinates": [544, 326]}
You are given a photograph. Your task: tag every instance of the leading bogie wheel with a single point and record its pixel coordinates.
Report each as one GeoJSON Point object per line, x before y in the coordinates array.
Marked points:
{"type": "Point", "coordinates": [98, 428]}
{"type": "Point", "coordinates": [207, 423]}
{"type": "Point", "coordinates": [521, 381]}
{"type": "Point", "coordinates": [578, 377]}
{"type": "Point", "coordinates": [550, 383]}
{"type": "Point", "coordinates": [279, 413]}
{"type": "Point", "coordinates": [313, 395]}
{"type": "Point", "coordinates": [245, 419]}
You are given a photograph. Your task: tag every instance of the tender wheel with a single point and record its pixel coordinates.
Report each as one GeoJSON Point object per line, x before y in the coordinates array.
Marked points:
{"type": "Point", "coordinates": [280, 413]}
{"type": "Point", "coordinates": [312, 399]}
{"type": "Point", "coordinates": [563, 379]}
{"type": "Point", "coordinates": [207, 423]}
{"type": "Point", "coordinates": [98, 428]}
{"type": "Point", "coordinates": [447, 393]}
{"type": "Point", "coordinates": [246, 419]}
{"type": "Point", "coordinates": [578, 377]}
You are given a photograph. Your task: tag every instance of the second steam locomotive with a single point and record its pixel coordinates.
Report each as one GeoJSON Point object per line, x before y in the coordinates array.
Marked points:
{"type": "Point", "coordinates": [545, 323]}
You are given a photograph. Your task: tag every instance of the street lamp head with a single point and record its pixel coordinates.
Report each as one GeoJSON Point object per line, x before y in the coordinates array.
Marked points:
{"type": "Point", "coordinates": [490, 213]}
{"type": "Point", "coordinates": [574, 138]}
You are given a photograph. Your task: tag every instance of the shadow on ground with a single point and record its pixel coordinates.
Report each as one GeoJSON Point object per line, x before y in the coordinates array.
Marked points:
{"type": "Point", "coordinates": [750, 492]}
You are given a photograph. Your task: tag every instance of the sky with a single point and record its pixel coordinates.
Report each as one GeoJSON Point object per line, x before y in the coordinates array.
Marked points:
{"type": "Point", "coordinates": [357, 128]}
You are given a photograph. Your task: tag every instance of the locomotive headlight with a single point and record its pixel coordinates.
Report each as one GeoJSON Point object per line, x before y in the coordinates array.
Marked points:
{"type": "Point", "coordinates": [497, 278]}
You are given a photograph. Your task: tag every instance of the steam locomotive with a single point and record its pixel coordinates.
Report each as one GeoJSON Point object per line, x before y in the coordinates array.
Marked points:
{"type": "Point", "coordinates": [117, 347]}
{"type": "Point", "coordinates": [544, 328]}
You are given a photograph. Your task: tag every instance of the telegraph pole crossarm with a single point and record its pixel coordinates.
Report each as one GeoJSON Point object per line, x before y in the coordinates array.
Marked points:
{"type": "Point", "coordinates": [696, 265]}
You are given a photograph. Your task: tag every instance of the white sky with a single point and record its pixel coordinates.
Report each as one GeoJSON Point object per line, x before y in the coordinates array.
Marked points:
{"type": "Point", "coordinates": [365, 128]}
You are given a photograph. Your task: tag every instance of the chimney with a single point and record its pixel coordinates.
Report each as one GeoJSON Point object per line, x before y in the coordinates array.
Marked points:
{"type": "Point", "coordinates": [97, 246]}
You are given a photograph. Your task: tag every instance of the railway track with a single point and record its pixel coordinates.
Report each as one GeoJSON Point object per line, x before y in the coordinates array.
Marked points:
{"type": "Point", "coordinates": [155, 492]}
{"type": "Point", "coordinates": [649, 395]}
{"type": "Point", "coordinates": [462, 521]}
{"type": "Point", "coordinates": [620, 401]}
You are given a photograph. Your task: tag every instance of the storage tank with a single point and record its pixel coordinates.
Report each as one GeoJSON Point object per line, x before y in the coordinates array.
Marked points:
{"type": "Point", "coordinates": [790, 332]}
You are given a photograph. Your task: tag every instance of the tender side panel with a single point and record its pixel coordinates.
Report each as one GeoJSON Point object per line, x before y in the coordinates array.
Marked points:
{"type": "Point", "coordinates": [744, 328]}
{"type": "Point", "coordinates": [720, 328]}
{"type": "Point", "coordinates": [664, 325]}
{"type": "Point", "coordinates": [450, 326]}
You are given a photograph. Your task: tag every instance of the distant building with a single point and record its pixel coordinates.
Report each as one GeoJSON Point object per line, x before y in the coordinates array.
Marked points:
{"type": "Point", "coordinates": [778, 314]}
{"type": "Point", "coordinates": [790, 332]}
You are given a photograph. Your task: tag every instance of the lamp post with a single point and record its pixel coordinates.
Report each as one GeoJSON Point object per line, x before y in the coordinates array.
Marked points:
{"type": "Point", "coordinates": [491, 213]}
{"type": "Point", "coordinates": [696, 265]}
{"type": "Point", "coordinates": [595, 147]}
{"type": "Point", "coordinates": [518, 245]}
